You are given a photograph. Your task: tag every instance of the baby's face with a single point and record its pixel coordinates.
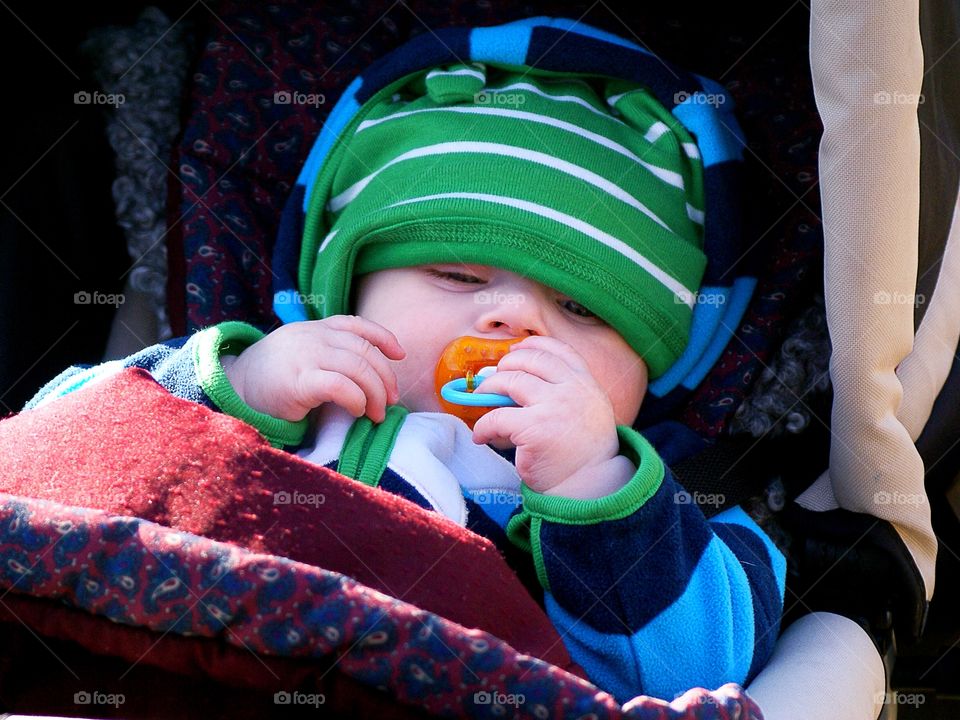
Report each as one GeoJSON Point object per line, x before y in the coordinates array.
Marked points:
{"type": "Point", "coordinates": [428, 306]}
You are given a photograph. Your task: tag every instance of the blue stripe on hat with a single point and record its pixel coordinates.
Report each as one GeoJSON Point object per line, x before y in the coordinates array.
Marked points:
{"type": "Point", "coordinates": [706, 320]}
{"type": "Point", "coordinates": [714, 139]}
{"type": "Point", "coordinates": [420, 52]}
{"type": "Point", "coordinates": [555, 50]}
{"type": "Point", "coordinates": [574, 26]}
{"type": "Point", "coordinates": [736, 308]}
{"type": "Point", "coordinates": [713, 326]}
{"type": "Point", "coordinates": [426, 50]}
{"type": "Point", "coordinates": [505, 43]}
{"type": "Point", "coordinates": [346, 107]}
{"type": "Point", "coordinates": [722, 241]}
{"type": "Point", "coordinates": [286, 251]}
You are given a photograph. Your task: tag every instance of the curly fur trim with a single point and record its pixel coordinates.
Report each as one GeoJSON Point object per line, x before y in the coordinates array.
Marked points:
{"type": "Point", "coordinates": [147, 64]}
{"type": "Point", "coordinates": [779, 399]}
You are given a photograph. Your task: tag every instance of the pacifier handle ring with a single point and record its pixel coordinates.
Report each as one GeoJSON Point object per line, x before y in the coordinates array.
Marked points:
{"type": "Point", "coordinates": [455, 392]}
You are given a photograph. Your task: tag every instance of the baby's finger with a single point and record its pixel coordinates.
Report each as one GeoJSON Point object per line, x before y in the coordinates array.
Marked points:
{"type": "Point", "coordinates": [536, 361]}
{"type": "Point", "coordinates": [364, 374]}
{"type": "Point", "coordinates": [364, 353]}
{"type": "Point", "coordinates": [524, 388]}
{"type": "Point", "coordinates": [555, 346]}
{"type": "Point", "coordinates": [320, 386]}
{"type": "Point", "coordinates": [374, 333]}
{"type": "Point", "coordinates": [500, 424]}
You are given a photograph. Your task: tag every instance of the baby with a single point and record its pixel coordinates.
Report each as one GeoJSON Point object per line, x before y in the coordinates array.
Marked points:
{"type": "Point", "coordinates": [572, 220]}
{"type": "Point", "coordinates": [570, 365]}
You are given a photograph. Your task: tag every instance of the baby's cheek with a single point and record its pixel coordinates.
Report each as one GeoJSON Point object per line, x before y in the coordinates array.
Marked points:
{"type": "Point", "coordinates": [627, 405]}
{"type": "Point", "coordinates": [416, 384]}
{"type": "Point", "coordinates": [629, 396]}
{"type": "Point", "coordinates": [622, 377]}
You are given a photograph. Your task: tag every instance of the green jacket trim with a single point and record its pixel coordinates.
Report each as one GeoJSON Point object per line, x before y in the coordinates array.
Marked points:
{"type": "Point", "coordinates": [375, 461]}
{"type": "Point", "coordinates": [367, 447]}
{"type": "Point", "coordinates": [523, 528]}
{"type": "Point", "coordinates": [537, 552]}
{"type": "Point", "coordinates": [355, 446]}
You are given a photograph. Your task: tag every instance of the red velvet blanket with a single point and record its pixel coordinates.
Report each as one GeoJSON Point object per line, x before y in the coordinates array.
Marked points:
{"type": "Point", "coordinates": [152, 530]}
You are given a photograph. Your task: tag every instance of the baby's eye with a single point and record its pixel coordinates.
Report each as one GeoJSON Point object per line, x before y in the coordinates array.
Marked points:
{"type": "Point", "coordinates": [457, 276]}
{"type": "Point", "coordinates": [577, 309]}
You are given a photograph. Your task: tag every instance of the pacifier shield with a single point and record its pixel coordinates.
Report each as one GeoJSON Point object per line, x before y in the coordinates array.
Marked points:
{"type": "Point", "coordinates": [460, 361]}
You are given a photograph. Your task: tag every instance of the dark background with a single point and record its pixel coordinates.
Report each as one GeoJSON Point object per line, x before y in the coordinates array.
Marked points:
{"type": "Point", "coordinates": [58, 235]}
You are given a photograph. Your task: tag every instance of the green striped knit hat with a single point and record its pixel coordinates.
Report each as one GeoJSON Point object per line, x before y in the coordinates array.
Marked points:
{"type": "Point", "coordinates": [587, 184]}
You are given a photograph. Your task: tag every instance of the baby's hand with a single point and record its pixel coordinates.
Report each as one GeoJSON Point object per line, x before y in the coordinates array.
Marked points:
{"type": "Point", "coordinates": [341, 359]}
{"type": "Point", "coordinates": [565, 428]}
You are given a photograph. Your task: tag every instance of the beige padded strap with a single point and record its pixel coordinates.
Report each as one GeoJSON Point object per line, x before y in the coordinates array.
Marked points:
{"type": "Point", "coordinates": [924, 371]}
{"type": "Point", "coordinates": [867, 65]}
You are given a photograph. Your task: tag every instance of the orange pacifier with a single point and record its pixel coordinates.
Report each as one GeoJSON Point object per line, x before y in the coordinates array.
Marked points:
{"type": "Point", "coordinates": [463, 365]}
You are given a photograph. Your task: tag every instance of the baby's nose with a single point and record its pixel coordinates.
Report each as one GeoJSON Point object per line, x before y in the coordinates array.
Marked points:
{"type": "Point", "coordinates": [513, 329]}
{"type": "Point", "coordinates": [517, 313]}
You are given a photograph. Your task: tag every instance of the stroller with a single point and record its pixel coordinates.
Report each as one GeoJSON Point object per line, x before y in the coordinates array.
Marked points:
{"type": "Point", "coordinates": [861, 543]}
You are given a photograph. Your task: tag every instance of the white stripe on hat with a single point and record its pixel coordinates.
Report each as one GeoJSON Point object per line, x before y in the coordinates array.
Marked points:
{"type": "Point", "coordinates": [614, 99]}
{"type": "Point", "coordinates": [669, 176]}
{"type": "Point", "coordinates": [681, 293]}
{"type": "Point", "coordinates": [326, 241]}
{"type": "Point", "coordinates": [694, 214]}
{"type": "Point", "coordinates": [462, 71]}
{"type": "Point", "coordinates": [558, 98]}
{"type": "Point", "coordinates": [691, 149]}
{"type": "Point", "coordinates": [656, 131]}
{"type": "Point", "coordinates": [336, 204]}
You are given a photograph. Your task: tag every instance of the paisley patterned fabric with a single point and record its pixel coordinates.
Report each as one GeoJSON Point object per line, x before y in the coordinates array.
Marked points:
{"type": "Point", "coordinates": [172, 536]}
{"type": "Point", "coordinates": [135, 572]}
